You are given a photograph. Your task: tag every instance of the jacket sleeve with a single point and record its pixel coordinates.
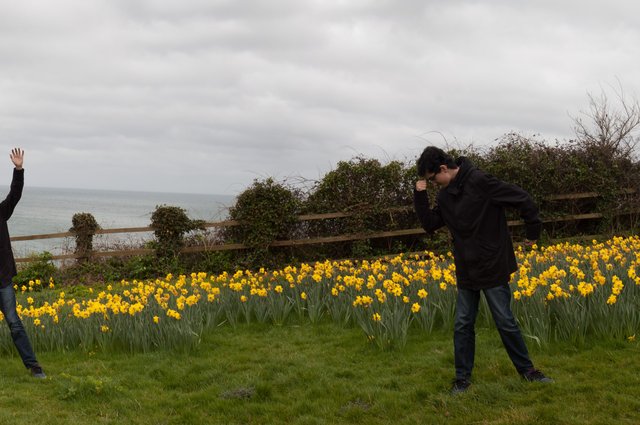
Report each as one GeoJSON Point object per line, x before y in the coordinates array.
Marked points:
{"type": "Point", "coordinates": [512, 196]}
{"type": "Point", "coordinates": [430, 219]}
{"type": "Point", "coordinates": [15, 193]}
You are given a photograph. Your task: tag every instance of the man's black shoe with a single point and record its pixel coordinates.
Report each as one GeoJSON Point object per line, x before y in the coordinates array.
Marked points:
{"type": "Point", "coordinates": [460, 386]}
{"type": "Point", "coordinates": [534, 375]}
{"type": "Point", "coordinates": [37, 372]}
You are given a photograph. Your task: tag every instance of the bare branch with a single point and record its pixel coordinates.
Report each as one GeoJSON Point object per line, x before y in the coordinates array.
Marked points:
{"type": "Point", "coordinates": [607, 127]}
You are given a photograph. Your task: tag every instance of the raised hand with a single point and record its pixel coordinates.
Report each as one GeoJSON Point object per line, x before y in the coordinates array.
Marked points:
{"type": "Point", "coordinates": [17, 157]}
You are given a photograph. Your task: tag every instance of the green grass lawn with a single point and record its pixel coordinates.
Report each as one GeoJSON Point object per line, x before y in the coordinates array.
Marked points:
{"type": "Point", "coordinates": [323, 374]}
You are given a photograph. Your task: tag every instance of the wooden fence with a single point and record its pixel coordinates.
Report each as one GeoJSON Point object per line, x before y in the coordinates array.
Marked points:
{"type": "Point", "coordinates": [307, 241]}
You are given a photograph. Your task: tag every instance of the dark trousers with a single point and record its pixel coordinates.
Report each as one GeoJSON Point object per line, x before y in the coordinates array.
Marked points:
{"type": "Point", "coordinates": [464, 337]}
{"type": "Point", "coordinates": [18, 334]}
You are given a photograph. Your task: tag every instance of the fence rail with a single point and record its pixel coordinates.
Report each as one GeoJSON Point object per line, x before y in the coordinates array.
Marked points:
{"type": "Point", "coordinates": [307, 241]}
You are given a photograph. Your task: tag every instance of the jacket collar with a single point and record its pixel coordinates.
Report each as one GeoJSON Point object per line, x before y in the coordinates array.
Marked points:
{"type": "Point", "coordinates": [464, 170]}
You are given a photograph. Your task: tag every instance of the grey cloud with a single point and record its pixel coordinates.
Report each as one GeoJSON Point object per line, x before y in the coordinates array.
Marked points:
{"type": "Point", "coordinates": [149, 95]}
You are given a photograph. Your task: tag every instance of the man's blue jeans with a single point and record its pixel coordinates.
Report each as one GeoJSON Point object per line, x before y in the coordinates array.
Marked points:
{"type": "Point", "coordinates": [464, 337]}
{"type": "Point", "coordinates": [18, 334]}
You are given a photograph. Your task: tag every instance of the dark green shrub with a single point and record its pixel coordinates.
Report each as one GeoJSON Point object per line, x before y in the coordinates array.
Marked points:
{"type": "Point", "coordinates": [267, 211]}
{"type": "Point", "coordinates": [210, 261]}
{"type": "Point", "coordinates": [84, 226]}
{"type": "Point", "coordinates": [577, 166]}
{"type": "Point", "coordinates": [39, 267]}
{"type": "Point", "coordinates": [143, 267]}
{"type": "Point", "coordinates": [170, 225]}
{"type": "Point", "coordinates": [367, 190]}
{"type": "Point", "coordinates": [87, 272]}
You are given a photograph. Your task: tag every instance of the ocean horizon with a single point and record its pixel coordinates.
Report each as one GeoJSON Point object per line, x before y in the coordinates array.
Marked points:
{"type": "Point", "coordinates": [44, 210]}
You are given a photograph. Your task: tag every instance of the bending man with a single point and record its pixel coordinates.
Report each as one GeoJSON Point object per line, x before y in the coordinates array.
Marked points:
{"type": "Point", "coordinates": [472, 205]}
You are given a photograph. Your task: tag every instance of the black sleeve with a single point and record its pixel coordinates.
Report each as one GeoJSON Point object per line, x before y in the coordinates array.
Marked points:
{"type": "Point", "coordinates": [512, 196]}
{"type": "Point", "coordinates": [15, 193]}
{"type": "Point", "coordinates": [430, 219]}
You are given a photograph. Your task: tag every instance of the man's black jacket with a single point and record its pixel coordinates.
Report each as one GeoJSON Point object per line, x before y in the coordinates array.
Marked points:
{"type": "Point", "coordinates": [7, 262]}
{"type": "Point", "coordinates": [472, 206]}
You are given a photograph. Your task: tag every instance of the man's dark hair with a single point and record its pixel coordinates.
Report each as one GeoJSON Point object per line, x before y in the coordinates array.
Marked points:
{"type": "Point", "coordinates": [431, 160]}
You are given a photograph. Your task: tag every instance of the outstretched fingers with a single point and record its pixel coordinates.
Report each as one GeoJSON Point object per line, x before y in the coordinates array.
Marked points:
{"type": "Point", "coordinates": [17, 156]}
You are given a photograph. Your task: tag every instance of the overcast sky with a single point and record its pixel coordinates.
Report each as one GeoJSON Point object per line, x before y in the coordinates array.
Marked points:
{"type": "Point", "coordinates": [205, 96]}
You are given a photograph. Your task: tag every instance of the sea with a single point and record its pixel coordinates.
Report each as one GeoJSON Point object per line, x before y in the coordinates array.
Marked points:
{"type": "Point", "coordinates": [50, 210]}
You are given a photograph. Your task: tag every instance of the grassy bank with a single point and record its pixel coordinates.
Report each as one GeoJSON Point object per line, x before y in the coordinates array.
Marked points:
{"type": "Point", "coordinates": [323, 374]}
